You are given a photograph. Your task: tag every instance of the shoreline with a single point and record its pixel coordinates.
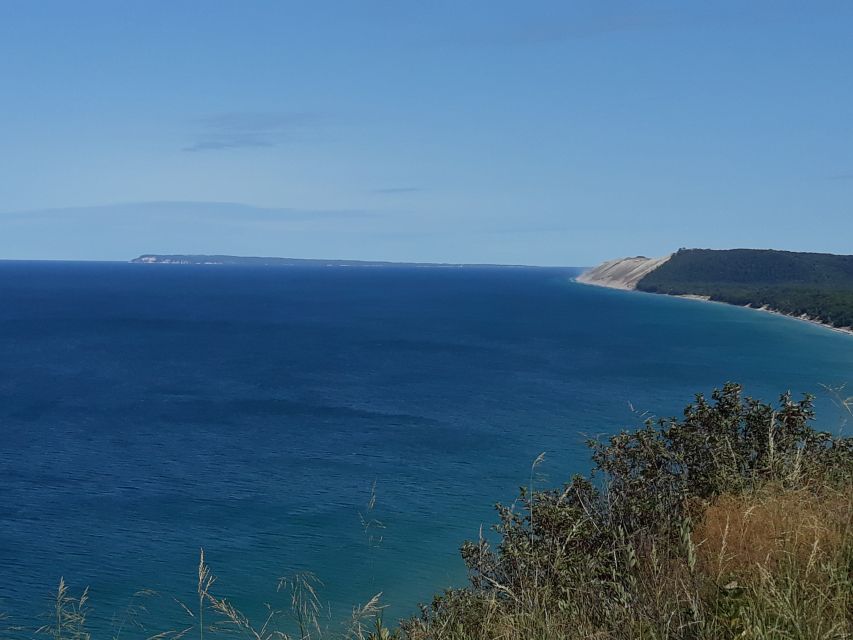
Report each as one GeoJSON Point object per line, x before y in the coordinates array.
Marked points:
{"type": "Point", "coordinates": [690, 296]}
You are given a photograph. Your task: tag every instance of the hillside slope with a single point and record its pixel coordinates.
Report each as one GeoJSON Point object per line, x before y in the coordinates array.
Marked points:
{"type": "Point", "coordinates": [816, 286]}
{"type": "Point", "coordinates": [623, 273]}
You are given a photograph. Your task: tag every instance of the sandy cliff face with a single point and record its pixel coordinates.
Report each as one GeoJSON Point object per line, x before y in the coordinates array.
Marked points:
{"type": "Point", "coordinates": [623, 273]}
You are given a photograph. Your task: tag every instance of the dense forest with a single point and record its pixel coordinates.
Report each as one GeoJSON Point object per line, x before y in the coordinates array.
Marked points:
{"type": "Point", "coordinates": [818, 285]}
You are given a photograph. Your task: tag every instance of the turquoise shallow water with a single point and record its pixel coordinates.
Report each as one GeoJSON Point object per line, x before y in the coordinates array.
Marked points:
{"type": "Point", "coordinates": [146, 411]}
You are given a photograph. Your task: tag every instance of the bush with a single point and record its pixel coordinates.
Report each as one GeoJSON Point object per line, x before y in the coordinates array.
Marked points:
{"type": "Point", "coordinates": [617, 554]}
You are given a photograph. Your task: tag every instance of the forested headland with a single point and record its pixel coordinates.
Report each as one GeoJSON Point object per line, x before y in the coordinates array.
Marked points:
{"type": "Point", "coordinates": [816, 285]}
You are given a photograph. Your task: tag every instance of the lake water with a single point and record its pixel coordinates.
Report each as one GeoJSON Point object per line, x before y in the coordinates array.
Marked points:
{"type": "Point", "coordinates": [149, 410]}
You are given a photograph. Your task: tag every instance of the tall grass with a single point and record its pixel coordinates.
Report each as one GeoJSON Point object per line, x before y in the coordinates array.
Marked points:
{"type": "Point", "coordinates": [734, 521]}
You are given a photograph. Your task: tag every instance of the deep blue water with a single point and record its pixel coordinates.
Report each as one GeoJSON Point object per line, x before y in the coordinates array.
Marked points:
{"type": "Point", "coordinates": [149, 410]}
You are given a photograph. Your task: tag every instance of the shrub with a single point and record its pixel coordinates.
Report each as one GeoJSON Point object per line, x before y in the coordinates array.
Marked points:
{"type": "Point", "coordinates": [616, 554]}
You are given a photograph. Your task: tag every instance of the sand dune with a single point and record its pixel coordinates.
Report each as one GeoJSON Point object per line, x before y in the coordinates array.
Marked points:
{"type": "Point", "coordinates": [623, 273]}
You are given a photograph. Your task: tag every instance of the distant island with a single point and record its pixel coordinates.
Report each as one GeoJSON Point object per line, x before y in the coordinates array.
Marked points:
{"type": "Point", "coordinates": [151, 258]}
{"type": "Point", "coordinates": [811, 286]}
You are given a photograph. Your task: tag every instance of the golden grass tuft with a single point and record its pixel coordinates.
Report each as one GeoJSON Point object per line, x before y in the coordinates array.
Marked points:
{"type": "Point", "coordinates": [741, 537]}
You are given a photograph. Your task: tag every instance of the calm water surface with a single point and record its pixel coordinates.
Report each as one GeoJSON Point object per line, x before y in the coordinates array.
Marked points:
{"type": "Point", "coordinates": [149, 410]}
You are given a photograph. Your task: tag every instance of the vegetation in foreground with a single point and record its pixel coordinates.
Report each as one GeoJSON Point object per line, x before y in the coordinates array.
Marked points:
{"type": "Point", "coordinates": [818, 285]}
{"type": "Point", "coordinates": [733, 521]}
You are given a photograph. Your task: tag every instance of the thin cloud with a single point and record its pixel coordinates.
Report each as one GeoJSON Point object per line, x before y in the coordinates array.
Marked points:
{"type": "Point", "coordinates": [226, 143]}
{"type": "Point", "coordinates": [247, 130]}
{"type": "Point", "coordinates": [538, 30]}
{"type": "Point", "coordinates": [396, 190]}
{"type": "Point", "coordinates": [254, 121]}
{"type": "Point", "coordinates": [189, 211]}
{"type": "Point", "coordinates": [542, 33]}
{"type": "Point", "coordinates": [124, 231]}
{"type": "Point", "coordinates": [842, 176]}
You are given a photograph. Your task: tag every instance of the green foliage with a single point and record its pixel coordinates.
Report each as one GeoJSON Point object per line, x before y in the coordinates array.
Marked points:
{"type": "Point", "coordinates": [730, 444]}
{"type": "Point", "coordinates": [613, 555]}
{"type": "Point", "coordinates": [817, 285]}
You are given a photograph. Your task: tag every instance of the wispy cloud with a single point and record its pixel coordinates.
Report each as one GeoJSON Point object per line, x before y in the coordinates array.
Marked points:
{"type": "Point", "coordinates": [573, 25]}
{"type": "Point", "coordinates": [842, 176]}
{"type": "Point", "coordinates": [190, 211]}
{"type": "Point", "coordinates": [395, 190]}
{"type": "Point", "coordinates": [123, 231]}
{"type": "Point", "coordinates": [230, 142]}
{"type": "Point", "coordinates": [242, 130]}
{"type": "Point", "coordinates": [535, 30]}
{"type": "Point", "coordinates": [545, 32]}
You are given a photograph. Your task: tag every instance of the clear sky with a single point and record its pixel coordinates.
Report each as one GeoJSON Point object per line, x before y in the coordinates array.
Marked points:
{"type": "Point", "coordinates": [557, 133]}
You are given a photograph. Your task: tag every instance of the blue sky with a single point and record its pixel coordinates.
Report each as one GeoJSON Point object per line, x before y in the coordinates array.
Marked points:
{"type": "Point", "coordinates": [557, 133]}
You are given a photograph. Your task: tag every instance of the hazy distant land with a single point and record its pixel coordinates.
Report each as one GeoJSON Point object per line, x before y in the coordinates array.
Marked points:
{"type": "Point", "coordinates": [151, 258]}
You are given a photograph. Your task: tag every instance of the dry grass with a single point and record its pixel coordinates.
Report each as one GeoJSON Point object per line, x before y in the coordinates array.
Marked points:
{"type": "Point", "coordinates": [742, 537]}
{"type": "Point", "coordinates": [771, 565]}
